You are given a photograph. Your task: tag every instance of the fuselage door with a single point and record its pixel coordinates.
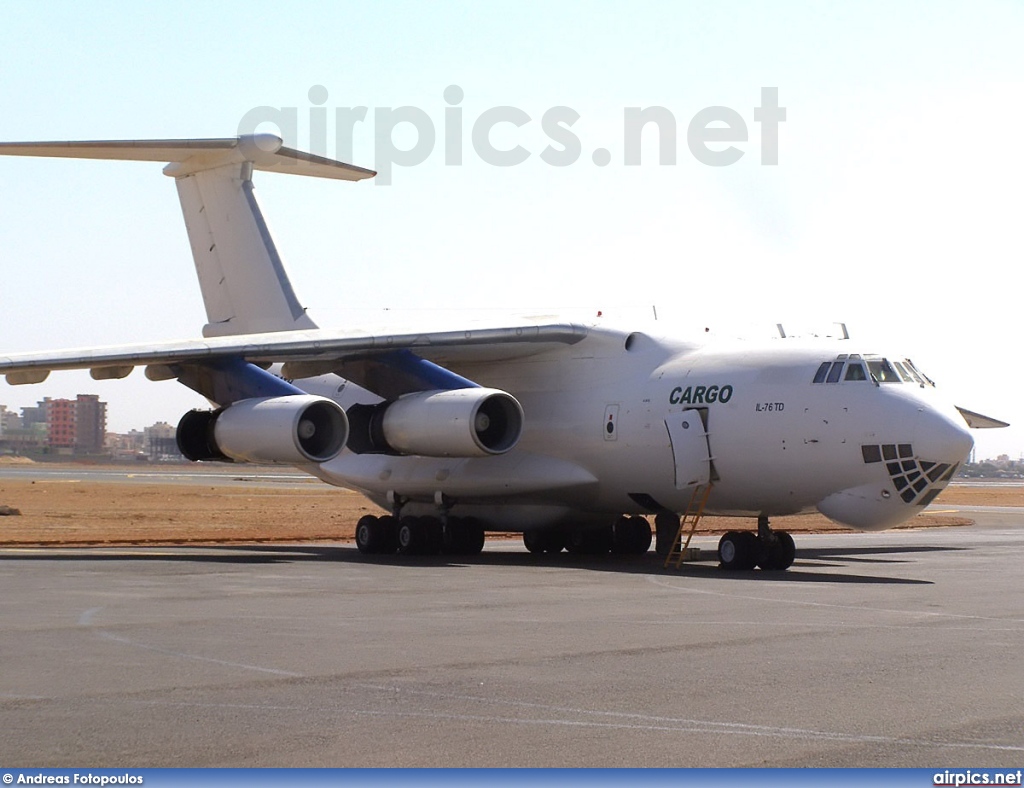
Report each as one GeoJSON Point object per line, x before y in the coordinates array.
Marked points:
{"type": "Point", "coordinates": [689, 437]}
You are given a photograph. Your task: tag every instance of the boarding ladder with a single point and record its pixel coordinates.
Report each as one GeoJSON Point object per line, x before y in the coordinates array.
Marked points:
{"type": "Point", "coordinates": [688, 524]}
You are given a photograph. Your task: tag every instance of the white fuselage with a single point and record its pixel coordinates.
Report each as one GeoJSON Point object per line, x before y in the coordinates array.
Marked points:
{"type": "Point", "coordinates": [614, 425]}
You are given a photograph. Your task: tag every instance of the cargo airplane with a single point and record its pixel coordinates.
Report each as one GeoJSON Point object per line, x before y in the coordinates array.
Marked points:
{"type": "Point", "coordinates": [568, 433]}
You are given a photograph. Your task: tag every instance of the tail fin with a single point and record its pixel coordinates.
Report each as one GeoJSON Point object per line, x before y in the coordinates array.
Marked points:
{"type": "Point", "coordinates": [245, 287]}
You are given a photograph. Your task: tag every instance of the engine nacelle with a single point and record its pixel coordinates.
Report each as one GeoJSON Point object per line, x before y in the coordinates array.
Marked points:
{"type": "Point", "coordinates": [471, 422]}
{"type": "Point", "coordinates": [294, 429]}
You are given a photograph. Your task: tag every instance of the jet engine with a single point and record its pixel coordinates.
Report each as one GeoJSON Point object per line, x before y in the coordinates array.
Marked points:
{"type": "Point", "coordinates": [292, 429]}
{"type": "Point", "coordinates": [470, 422]}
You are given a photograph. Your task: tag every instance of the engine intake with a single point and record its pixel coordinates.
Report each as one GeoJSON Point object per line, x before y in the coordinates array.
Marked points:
{"type": "Point", "coordinates": [293, 429]}
{"type": "Point", "coordinates": [470, 422]}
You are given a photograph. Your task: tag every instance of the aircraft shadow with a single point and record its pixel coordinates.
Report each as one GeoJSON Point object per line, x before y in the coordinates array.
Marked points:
{"type": "Point", "coordinates": [811, 565]}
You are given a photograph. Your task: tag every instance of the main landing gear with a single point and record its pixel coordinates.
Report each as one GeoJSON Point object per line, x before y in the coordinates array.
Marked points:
{"type": "Point", "coordinates": [768, 549]}
{"type": "Point", "coordinates": [388, 535]}
{"type": "Point", "coordinates": [628, 536]}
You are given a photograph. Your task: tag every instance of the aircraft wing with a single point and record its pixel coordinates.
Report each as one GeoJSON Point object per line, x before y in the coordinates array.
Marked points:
{"type": "Point", "coordinates": [304, 353]}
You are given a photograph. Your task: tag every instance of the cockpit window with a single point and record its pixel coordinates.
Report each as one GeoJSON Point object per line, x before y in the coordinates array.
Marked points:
{"type": "Point", "coordinates": [903, 372]}
{"type": "Point", "coordinates": [856, 372]}
{"type": "Point", "coordinates": [882, 371]}
{"type": "Point", "coordinates": [832, 371]}
{"type": "Point", "coordinates": [877, 369]}
{"type": "Point", "coordinates": [919, 376]}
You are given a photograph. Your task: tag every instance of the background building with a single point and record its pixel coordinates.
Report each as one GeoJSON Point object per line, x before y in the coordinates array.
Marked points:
{"type": "Point", "coordinates": [90, 424]}
{"type": "Point", "coordinates": [60, 425]}
{"type": "Point", "coordinates": [70, 426]}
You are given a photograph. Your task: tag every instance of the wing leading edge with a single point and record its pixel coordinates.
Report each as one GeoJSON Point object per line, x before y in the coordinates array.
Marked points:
{"type": "Point", "coordinates": [305, 353]}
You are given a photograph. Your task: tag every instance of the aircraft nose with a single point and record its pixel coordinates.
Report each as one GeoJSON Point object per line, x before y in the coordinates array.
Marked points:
{"type": "Point", "coordinates": [942, 435]}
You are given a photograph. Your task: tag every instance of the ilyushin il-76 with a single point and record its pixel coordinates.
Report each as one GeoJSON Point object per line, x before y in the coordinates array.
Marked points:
{"type": "Point", "coordinates": [575, 435]}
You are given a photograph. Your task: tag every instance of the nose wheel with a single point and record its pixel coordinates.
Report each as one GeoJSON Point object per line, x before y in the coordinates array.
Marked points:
{"type": "Point", "coordinates": [770, 550]}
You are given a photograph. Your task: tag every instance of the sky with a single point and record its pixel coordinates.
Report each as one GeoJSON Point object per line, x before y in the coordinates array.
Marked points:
{"type": "Point", "coordinates": [894, 206]}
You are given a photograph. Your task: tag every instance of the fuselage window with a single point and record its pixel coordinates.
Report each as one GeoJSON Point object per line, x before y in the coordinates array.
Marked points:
{"type": "Point", "coordinates": [822, 372]}
{"type": "Point", "coordinates": [882, 371]}
{"type": "Point", "coordinates": [836, 372]}
{"type": "Point", "coordinates": [856, 372]}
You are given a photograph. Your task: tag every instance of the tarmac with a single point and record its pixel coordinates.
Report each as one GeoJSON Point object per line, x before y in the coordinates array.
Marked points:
{"type": "Point", "coordinates": [891, 649]}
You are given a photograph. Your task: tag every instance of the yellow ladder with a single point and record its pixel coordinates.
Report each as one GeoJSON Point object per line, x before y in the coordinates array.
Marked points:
{"type": "Point", "coordinates": [688, 523]}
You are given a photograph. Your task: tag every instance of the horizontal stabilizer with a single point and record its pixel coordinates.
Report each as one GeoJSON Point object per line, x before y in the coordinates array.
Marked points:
{"type": "Point", "coordinates": [978, 422]}
{"type": "Point", "coordinates": [265, 151]}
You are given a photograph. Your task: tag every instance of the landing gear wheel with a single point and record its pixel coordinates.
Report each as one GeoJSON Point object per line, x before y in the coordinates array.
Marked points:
{"type": "Point", "coordinates": [370, 537]}
{"type": "Point", "coordinates": [544, 540]}
{"type": "Point", "coordinates": [536, 540]}
{"type": "Point", "coordinates": [556, 540]}
{"type": "Point", "coordinates": [749, 551]}
{"type": "Point", "coordinates": [779, 553]}
{"type": "Point", "coordinates": [589, 541]}
{"type": "Point", "coordinates": [631, 536]}
{"type": "Point", "coordinates": [463, 536]}
{"type": "Point", "coordinates": [738, 551]}
{"type": "Point", "coordinates": [389, 526]}
{"type": "Point", "coordinates": [419, 536]}
{"type": "Point", "coordinates": [787, 549]}
{"type": "Point", "coordinates": [376, 535]}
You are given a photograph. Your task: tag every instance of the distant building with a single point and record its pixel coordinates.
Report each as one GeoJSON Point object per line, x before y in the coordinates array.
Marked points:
{"type": "Point", "coordinates": [90, 424]}
{"type": "Point", "coordinates": [162, 442]}
{"type": "Point", "coordinates": [9, 420]}
{"type": "Point", "coordinates": [76, 426]}
{"type": "Point", "coordinates": [32, 416]}
{"type": "Point", "coordinates": [60, 425]}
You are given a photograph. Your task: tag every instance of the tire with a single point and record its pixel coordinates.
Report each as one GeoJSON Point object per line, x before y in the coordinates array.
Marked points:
{"type": "Point", "coordinates": [589, 541]}
{"type": "Point", "coordinates": [389, 527]}
{"type": "Point", "coordinates": [370, 537]}
{"type": "Point", "coordinates": [474, 536]}
{"type": "Point", "coordinates": [738, 551]}
{"type": "Point", "coordinates": [631, 536]}
{"type": "Point", "coordinates": [432, 535]}
{"type": "Point", "coordinates": [557, 539]}
{"type": "Point", "coordinates": [788, 549]}
{"type": "Point", "coordinates": [536, 540]}
{"type": "Point", "coordinates": [780, 554]}
{"type": "Point", "coordinates": [729, 550]}
{"type": "Point", "coordinates": [409, 536]}
{"type": "Point", "coordinates": [419, 536]}
{"type": "Point", "coordinates": [622, 536]}
{"type": "Point", "coordinates": [750, 550]}
{"type": "Point", "coordinates": [463, 536]}
{"type": "Point", "coordinates": [642, 535]}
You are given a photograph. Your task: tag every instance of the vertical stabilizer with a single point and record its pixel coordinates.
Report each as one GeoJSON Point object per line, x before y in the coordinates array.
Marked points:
{"type": "Point", "coordinates": [245, 287]}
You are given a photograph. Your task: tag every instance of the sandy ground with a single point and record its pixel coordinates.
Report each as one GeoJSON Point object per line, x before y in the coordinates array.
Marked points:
{"type": "Point", "coordinates": [88, 513]}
